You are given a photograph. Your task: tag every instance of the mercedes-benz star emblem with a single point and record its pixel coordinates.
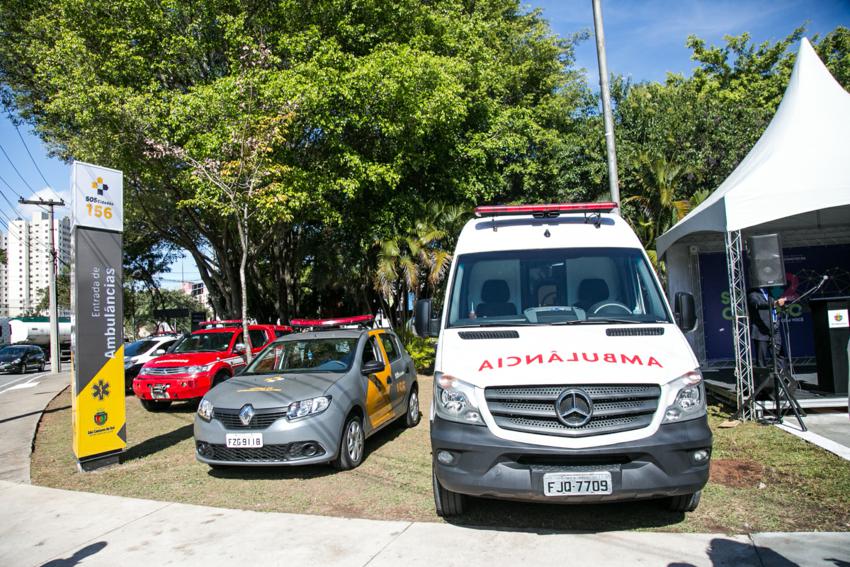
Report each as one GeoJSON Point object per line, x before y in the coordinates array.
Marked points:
{"type": "Point", "coordinates": [574, 407]}
{"type": "Point", "coordinates": [246, 414]}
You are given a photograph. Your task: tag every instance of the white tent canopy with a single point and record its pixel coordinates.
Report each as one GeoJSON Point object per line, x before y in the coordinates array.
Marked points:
{"type": "Point", "coordinates": [800, 164]}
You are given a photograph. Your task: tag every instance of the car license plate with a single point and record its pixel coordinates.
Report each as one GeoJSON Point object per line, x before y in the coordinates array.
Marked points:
{"type": "Point", "coordinates": [243, 440]}
{"type": "Point", "coordinates": [159, 392]}
{"type": "Point", "coordinates": [577, 484]}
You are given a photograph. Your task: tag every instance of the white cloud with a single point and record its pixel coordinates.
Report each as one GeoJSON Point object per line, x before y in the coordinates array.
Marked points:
{"type": "Point", "coordinates": [27, 211]}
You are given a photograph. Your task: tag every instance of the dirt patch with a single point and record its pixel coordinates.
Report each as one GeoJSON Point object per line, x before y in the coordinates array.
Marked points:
{"type": "Point", "coordinates": [736, 473]}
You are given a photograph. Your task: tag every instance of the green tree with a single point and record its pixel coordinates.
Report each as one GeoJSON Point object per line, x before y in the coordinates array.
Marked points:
{"type": "Point", "coordinates": [394, 103]}
{"type": "Point", "coordinates": [63, 294]}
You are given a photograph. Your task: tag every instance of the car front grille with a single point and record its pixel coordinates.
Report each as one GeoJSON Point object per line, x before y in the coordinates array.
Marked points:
{"type": "Point", "coordinates": [261, 420]}
{"type": "Point", "coordinates": [165, 371]}
{"type": "Point", "coordinates": [266, 454]}
{"type": "Point", "coordinates": [531, 409]}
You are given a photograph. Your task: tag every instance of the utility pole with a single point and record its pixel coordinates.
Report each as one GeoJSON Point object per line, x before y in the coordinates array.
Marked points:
{"type": "Point", "coordinates": [613, 179]}
{"type": "Point", "coordinates": [55, 363]}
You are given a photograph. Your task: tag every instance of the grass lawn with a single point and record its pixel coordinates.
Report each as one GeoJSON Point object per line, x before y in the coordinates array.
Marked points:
{"type": "Point", "coordinates": [762, 480]}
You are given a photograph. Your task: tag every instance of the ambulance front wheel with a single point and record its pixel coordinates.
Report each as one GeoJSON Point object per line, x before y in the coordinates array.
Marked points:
{"type": "Point", "coordinates": [447, 503]}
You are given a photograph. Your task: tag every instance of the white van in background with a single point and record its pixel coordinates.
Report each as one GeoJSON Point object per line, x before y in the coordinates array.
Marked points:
{"type": "Point", "coordinates": [560, 373]}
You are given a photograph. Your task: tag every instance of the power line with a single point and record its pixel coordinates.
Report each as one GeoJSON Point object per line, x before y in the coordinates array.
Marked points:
{"type": "Point", "coordinates": [32, 159]}
{"type": "Point", "coordinates": [2, 149]}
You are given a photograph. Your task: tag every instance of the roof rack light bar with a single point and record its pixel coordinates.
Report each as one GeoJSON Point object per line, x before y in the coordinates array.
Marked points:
{"type": "Point", "coordinates": [544, 210]}
{"type": "Point", "coordinates": [222, 323]}
{"type": "Point", "coordinates": [328, 323]}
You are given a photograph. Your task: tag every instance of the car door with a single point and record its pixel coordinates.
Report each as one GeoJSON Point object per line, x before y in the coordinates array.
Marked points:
{"type": "Point", "coordinates": [399, 375]}
{"type": "Point", "coordinates": [259, 339]}
{"type": "Point", "coordinates": [379, 401]}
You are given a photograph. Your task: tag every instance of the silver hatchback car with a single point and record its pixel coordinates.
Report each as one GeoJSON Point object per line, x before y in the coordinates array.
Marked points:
{"type": "Point", "coordinates": [308, 398]}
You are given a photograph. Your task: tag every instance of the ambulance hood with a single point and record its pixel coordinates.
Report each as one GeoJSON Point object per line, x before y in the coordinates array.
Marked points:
{"type": "Point", "coordinates": [570, 354]}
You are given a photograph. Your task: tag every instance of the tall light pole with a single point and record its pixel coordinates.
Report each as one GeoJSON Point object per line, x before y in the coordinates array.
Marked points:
{"type": "Point", "coordinates": [54, 315]}
{"type": "Point", "coordinates": [613, 179]}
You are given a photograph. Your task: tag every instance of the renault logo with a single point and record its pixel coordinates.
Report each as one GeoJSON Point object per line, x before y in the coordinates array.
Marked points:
{"type": "Point", "coordinates": [246, 414]}
{"type": "Point", "coordinates": [574, 407]}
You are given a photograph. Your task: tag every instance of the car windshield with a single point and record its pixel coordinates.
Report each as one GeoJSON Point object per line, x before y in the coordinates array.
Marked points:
{"type": "Point", "coordinates": [205, 342]}
{"type": "Point", "coordinates": [307, 355]}
{"type": "Point", "coordinates": [138, 347]}
{"type": "Point", "coordinates": [12, 351]}
{"type": "Point", "coordinates": [555, 287]}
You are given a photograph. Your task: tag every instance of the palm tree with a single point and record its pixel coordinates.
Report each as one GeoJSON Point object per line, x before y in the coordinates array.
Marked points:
{"type": "Point", "coordinates": [418, 260]}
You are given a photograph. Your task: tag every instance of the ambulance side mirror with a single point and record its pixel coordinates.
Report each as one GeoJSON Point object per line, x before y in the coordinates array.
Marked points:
{"type": "Point", "coordinates": [685, 311]}
{"type": "Point", "coordinates": [422, 319]}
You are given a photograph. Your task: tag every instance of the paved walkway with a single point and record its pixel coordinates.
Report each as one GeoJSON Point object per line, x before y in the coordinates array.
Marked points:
{"type": "Point", "coordinates": [45, 526]}
{"type": "Point", "coordinates": [22, 400]}
{"type": "Point", "coordinates": [830, 431]}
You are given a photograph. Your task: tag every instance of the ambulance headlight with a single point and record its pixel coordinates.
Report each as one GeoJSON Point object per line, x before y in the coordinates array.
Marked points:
{"type": "Point", "coordinates": [454, 400]}
{"type": "Point", "coordinates": [688, 398]}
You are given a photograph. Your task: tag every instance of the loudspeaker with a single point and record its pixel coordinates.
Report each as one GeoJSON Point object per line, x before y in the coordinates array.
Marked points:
{"type": "Point", "coordinates": [767, 267]}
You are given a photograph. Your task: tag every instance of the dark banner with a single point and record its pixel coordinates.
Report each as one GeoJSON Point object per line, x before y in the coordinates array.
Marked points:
{"type": "Point", "coordinates": [804, 268]}
{"type": "Point", "coordinates": [97, 343]}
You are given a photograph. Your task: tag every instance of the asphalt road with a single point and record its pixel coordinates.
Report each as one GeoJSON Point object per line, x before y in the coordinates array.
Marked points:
{"type": "Point", "coordinates": [9, 381]}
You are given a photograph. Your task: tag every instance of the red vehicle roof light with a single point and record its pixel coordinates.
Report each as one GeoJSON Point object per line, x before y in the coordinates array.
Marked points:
{"type": "Point", "coordinates": [553, 209]}
{"type": "Point", "coordinates": [330, 323]}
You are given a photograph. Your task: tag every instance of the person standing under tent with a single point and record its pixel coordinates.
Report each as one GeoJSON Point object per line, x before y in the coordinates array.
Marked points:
{"type": "Point", "coordinates": [761, 319]}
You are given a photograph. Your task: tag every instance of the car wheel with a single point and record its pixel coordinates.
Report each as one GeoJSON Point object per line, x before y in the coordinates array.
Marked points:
{"type": "Point", "coordinates": [412, 417]}
{"type": "Point", "coordinates": [152, 405]}
{"type": "Point", "coordinates": [685, 502]}
{"type": "Point", "coordinates": [218, 379]}
{"type": "Point", "coordinates": [352, 444]}
{"type": "Point", "coordinates": [446, 502]}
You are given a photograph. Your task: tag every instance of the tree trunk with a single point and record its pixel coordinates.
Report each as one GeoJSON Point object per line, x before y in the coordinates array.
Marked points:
{"type": "Point", "coordinates": [242, 225]}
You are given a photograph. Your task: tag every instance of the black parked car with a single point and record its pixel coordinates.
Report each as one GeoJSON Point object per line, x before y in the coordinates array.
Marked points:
{"type": "Point", "coordinates": [20, 359]}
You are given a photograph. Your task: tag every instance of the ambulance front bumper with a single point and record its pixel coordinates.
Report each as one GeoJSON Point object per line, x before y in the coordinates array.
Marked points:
{"type": "Point", "coordinates": [661, 465]}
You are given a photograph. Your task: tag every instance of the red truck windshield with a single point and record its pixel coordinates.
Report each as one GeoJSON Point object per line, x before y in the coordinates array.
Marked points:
{"type": "Point", "coordinates": [205, 342]}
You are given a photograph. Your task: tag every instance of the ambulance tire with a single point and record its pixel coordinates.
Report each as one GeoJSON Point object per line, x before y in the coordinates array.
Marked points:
{"type": "Point", "coordinates": [152, 405]}
{"type": "Point", "coordinates": [685, 502]}
{"type": "Point", "coordinates": [351, 444]}
{"type": "Point", "coordinates": [447, 503]}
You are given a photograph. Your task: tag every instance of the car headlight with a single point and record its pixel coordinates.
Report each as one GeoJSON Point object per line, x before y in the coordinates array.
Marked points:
{"type": "Point", "coordinates": [198, 369]}
{"type": "Point", "coordinates": [144, 370]}
{"type": "Point", "coordinates": [16, 361]}
{"type": "Point", "coordinates": [205, 409]}
{"type": "Point", "coordinates": [689, 402]}
{"type": "Point", "coordinates": [303, 408]}
{"type": "Point", "coordinates": [454, 400]}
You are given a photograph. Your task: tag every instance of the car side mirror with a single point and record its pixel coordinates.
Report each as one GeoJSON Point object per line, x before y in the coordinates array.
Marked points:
{"type": "Point", "coordinates": [239, 348]}
{"type": "Point", "coordinates": [372, 367]}
{"type": "Point", "coordinates": [159, 351]}
{"type": "Point", "coordinates": [685, 311]}
{"type": "Point", "coordinates": [424, 323]}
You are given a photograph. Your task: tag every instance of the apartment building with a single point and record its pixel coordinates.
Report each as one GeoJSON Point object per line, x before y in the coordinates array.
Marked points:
{"type": "Point", "coordinates": [27, 269]}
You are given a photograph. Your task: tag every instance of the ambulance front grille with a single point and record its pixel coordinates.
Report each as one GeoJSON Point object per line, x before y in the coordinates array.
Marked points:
{"type": "Point", "coordinates": [531, 409]}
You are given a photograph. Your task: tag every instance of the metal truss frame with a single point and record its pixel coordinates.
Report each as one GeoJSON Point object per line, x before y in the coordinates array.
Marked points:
{"type": "Point", "coordinates": [741, 324]}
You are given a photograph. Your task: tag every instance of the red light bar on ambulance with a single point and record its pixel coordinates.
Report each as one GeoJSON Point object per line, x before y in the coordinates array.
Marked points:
{"type": "Point", "coordinates": [224, 323]}
{"type": "Point", "coordinates": [326, 323]}
{"type": "Point", "coordinates": [543, 210]}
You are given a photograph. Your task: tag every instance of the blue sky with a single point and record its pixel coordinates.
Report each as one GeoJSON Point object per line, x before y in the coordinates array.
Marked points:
{"type": "Point", "coordinates": [645, 40]}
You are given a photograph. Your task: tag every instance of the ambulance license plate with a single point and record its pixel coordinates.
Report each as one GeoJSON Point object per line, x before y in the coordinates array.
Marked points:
{"type": "Point", "coordinates": [243, 440]}
{"type": "Point", "coordinates": [577, 484]}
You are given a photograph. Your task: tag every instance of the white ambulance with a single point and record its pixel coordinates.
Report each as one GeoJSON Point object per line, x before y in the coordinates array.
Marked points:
{"type": "Point", "coordinates": [561, 374]}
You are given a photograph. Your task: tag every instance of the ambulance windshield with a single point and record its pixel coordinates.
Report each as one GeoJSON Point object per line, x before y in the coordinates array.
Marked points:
{"type": "Point", "coordinates": [556, 286]}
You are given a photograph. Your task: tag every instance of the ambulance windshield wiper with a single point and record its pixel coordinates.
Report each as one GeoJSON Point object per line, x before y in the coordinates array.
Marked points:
{"type": "Point", "coordinates": [495, 324]}
{"type": "Point", "coordinates": [595, 321]}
